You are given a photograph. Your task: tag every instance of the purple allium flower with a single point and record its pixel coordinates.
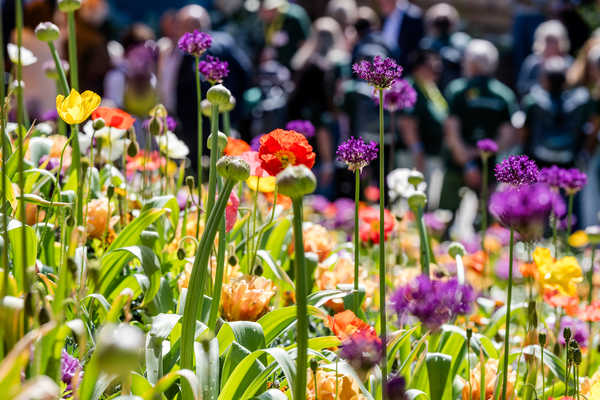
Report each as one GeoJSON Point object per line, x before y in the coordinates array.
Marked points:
{"type": "Point", "coordinates": [433, 302]}
{"type": "Point", "coordinates": [579, 330]}
{"type": "Point", "coordinates": [517, 171]}
{"type": "Point", "coordinates": [344, 214]}
{"type": "Point", "coordinates": [302, 126]}
{"type": "Point", "coordinates": [552, 176]}
{"type": "Point", "coordinates": [213, 69]}
{"type": "Point", "coordinates": [573, 180]}
{"type": "Point", "coordinates": [502, 267]}
{"type": "Point", "coordinates": [356, 153]}
{"type": "Point", "coordinates": [525, 209]}
{"type": "Point", "coordinates": [255, 142]}
{"type": "Point", "coordinates": [433, 222]}
{"type": "Point", "coordinates": [380, 73]}
{"type": "Point", "coordinates": [363, 350]}
{"type": "Point", "coordinates": [69, 365]}
{"type": "Point", "coordinates": [396, 388]}
{"type": "Point", "coordinates": [194, 43]}
{"type": "Point", "coordinates": [171, 123]}
{"type": "Point", "coordinates": [50, 115]}
{"type": "Point", "coordinates": [53, 162]}
{"type": "Point", "coordinates": [487, 147]}
{"type": "Point", "coordinates": [399, 96]}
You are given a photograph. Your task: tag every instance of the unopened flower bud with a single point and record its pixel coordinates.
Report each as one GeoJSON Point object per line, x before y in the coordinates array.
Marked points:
{"type": "Point", "coordinates": [158, 111]}
{"type": "Point", "coordinates": [258, 270]}
{"type": "Point", "coordinates": [567, 334]}
{"type": "Point", "coordinates": [229, 106]}
{"type": "Point", "coordinates": [469, 333]}
{"type": "Point", "coordinates": [69, 5]}
{"type": "Point", "coordinates": [119, 348]}
{"type": "Point", "coordinates": [314, 365]}
{"type": "Point", "coordinates": [415, 178]}
{"type": "Point", "coordinates": [577, 356]}
{"type": "Point", "coordinates": [180, 253]}
{"type": "Point", "coordinates": [542, 338]}
{"type": "Point", "coordinates": [232, 261]}
{"type": "Point", "coordinates": [47, 32]}
{"type": "Point", "coordinates": [205, 107]}
{"type": "Point", "coordinates": [85, 164]}
{"type": "Point", "coordinates": [98, 123]}
{"type": "Point", "coordinates": [133, 148]}
{"type": "Point", "coordinates": [456, 249]}
{"type": "Point", "coordinates": [296, 181]}
{"type": "Point", "coordinates": [155, 126]}
{"type": "Point", "coordinates": [417, 201]}
{"type": "Point", "coordinates": [110, 191]}
{"type": "Point", "coordinates": [218, 95]}
{"type": "Point", "coordinates": [221, 140]}
{"type": "Point", "coordinates": [190, 182]}
{"type": "Point", "coordinates": [233, 168]}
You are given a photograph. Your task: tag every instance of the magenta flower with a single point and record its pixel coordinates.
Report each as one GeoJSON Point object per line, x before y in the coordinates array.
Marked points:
{"type": "Point", "coordinates": [573, 180]}
{"type": "Point", "coordinates": [194, 43]}
{"type": "Point", "coordinates": [302, 126]}
{"type": "Point", "coordinates": [552, 176]}
{"type": "Point", "coordinates": [380, 73]}
{"type": "Point", "coordinates": [396, 388]}
{"type": "Point", "coordinates": [213, 69]}
{"type": "Point", "coordinates": [399, 96]}
{"type": "Point", "coordinates": [517, 171]}
{"type": "Point", "coordinates": [363, 350]}
{"type": "Point", "coordinates": [69, 366]}
{"type": "Point", "coordinates": [487, 147]}
{"type": "Point", "coordinates": [356, 153]}
{"type": "Point", "coordinates": [231, 211]}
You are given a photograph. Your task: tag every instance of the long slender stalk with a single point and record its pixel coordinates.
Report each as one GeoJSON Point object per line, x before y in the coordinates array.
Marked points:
{"type": "Point", "coordinates": [484, 195]}
{"type": "Point", "coordinates": [200, 135]}
{"type": "Point", "coordinates": [63, 84]}
{"type": "Point", "coordinates": [554, 233]}
{"type": "Point", "coordinates": [507, 325]}
{"type": "Point", "coordinates": [301, 307]}
{"type": "Point", "coordinates": [590, 278]}
{"type": "Point", "coordinates": [424, 243]}
{"type": "Point", "coordinates": [5, 145]}
{"type": "Point", "coordinates": [542, 368]}
{"type": "Point", "coordinates": [356, 239]}
{"type": "Point", "coordinates": [570, 215]}
{"type": "Point", "coordinates": [382, 269]}
{"type": "Point", "coordinates": [214, 152]}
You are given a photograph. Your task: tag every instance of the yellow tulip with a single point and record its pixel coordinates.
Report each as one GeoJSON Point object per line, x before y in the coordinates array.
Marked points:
{"type": "Point", "coordinates": [578, 239]}
{"type": "Point", "coordinates": [76, 108]}
{"type": "Point", "coordinates": [562, 275]}
{"type": "Point", "coordinates": [265, 184]}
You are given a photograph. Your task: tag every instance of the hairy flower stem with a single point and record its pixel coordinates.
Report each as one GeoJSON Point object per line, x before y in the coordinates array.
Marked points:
{"type": "Point", "coordinates": [356, 301]}
{"type": "Point", "coordinates": [301, 307]}
{"type": "Point", "coordinates": [197, 282]}
{"type": "Point", "coordinates": [542, 368]}
{"type": "Point", "coordinates": [507, 324]}
{"type": "Point", "coordinates": [382, 269]}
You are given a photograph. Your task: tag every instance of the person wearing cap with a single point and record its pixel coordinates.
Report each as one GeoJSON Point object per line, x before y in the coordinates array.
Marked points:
{"type": "Point", "coordinates": [479, 107]}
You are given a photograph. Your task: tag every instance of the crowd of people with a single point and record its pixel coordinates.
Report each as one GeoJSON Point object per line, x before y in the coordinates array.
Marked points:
{"type": "Point", "coordinates": [292, 62]}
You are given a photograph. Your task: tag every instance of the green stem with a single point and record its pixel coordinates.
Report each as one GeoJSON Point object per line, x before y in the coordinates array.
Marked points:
{"type": "Point", "coordinates": [5, 146]}
{"type": "Point", "coordinates": [382, 269]}
{"type": "Point", "coordinates": [226, 123]}
{"type": "Point", "coordinates": [484, 195]}
{"type": "Point", "coordinates": [214, 152]}
{"type": "Point", "coordinates": [507, 325]}
{"type": "Point", "coordinates": [356, 239]}
{"type": "Point", "coordinates": [555, 234]}
{"type": "Point", "coordinates": [590, 277]}
{"type": "Point", "coordinates": [197, 282]}
{"type": "Point", "coordinates": [542, 368]}
{"type": "Point", "coordinates": [62, 77]}
{"type": "Point", "coordinates": [424, 245]}
{"type": "Point", "coordinates": [570, 215]}
{"type": "Point", "coordinates": [200, 135]}
{"type": "Point", "coordinates": [301, 307]}
{"type": "Point", "coordinates": [216, 297]}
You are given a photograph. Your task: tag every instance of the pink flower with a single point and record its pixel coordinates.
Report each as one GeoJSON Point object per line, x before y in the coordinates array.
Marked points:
{"type": "Point", "coordinates": [231, 211]}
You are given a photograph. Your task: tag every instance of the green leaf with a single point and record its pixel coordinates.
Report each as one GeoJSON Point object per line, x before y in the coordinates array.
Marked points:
{"type": "Point", "coordinates": [274, 322]}
{"type": "Point", "coordinates": [165, 202]}
{"type": "Point", "coordinates": [207, 367]}
{"type": "Point", "coordinates": [395, 344]}
{"type": "Point", "coordinates": [438, 367]}
{"type": "Point", "coordinates": [499, 318]}
{"type": "Point", "coordinates": [277, 237]}
{"type": "Point", "coordinates": [131, 234]}
{"type": "Point", "coordinates": [271, 394]}
{"type": "Point", "coordinates": [20, 265]}
{"type": "Point", "coordinates": [248, 334]}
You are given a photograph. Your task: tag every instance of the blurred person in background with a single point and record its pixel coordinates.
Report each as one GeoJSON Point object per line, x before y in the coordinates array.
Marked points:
{"type": "Point", "coordinates": [285, 27]}
{"type": "Point", "coordinates": [368, 36]}
{"type": "Point", "coordinates": [421, 126]}
{"type": "Point", "coordinates": [480, 107]}
{"type": "Point", "coordinates": [527, 16]}
{"type": "Point", "coordinates": [403, 27]}
{"type": "Point", "coordinates": [169, 59]}
{"type": "Point", "coordinates": [345, 12]}
{"type": "Point", "coordinates": [319, 65]}
{"type": "Point", "coordinates": [550, 40]}
{"type": "Point", "coordinates": [442, 22]}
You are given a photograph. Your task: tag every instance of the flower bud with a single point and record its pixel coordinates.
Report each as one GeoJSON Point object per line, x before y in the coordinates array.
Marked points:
{"type": "Point", "coordinates": [258, 270]}
{"type": "Point", "coordinates": [296, 181]}
{"type": "Point", "coordinates": [98, 124]}
{"type": "Point", "coordinates": [469, 333]}
{"type": "Point", "coordinates": [221, 140]}
{"type": "Point", "coordinates": [417, 201]}
{"type": "Point", "coordinates": [47, 32]}
{"type": "Point", "coordinates": [415, 178]}
{"type": "Point", "coordinates": [133, 148]}
{"type": "Point", "coordinates": [85, 164]}
{"type": "Point", "coordinates": [190, 182]}
{"type": "Point", "coordinates": [110, 191]}
{"type": "Point", "coordinates": [155, 126]}
{"type": "Point", "coordinates": [542, 338]}
{"type": "Point", "coordinates": [456, 249]}
{"type": "Point", "coordinates": [119, 348]}
{"type": "Point", "coordinates": [232, 261]}
{"type": "Point", "coordinates": [577, 356]}
{"type": "Point", "coordinates": [314, 365]}
{"type": "Point", "coordinates": [233, 168]}
{"type": "Point", "coordinates": [218, 95]}
{"type": "Point", "coordinates": [69, 5]}
{"type": "Point", "coordinates": [567, 334]}
{"type": "Point", "coordinates": [180, 253]}
{"type": "Point", "coordinates": [229, 106]}
{"type": "Point", "coordinates": [205, 107]}
{"type": "Point", "coordinates": [158, 111]}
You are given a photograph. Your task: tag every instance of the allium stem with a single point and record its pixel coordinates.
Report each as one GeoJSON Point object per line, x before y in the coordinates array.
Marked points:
{"type": "Point", "coordinates": [424, 245]}
{"type": "Point", "coordinates": [216, 297]}
{"type": "Point", "coordinates": [555, 233]}
{"type": "Point", "coordinates": [200, 135]}
{"type": "Point", "coordinates": [5, 150]}
{"type": "Point", "coordinates": [507, 325]}
{"type": "Point", "coordinates": [590, 278]}
{"type": "Point", "coordinates": [301, 307]}
{"type": "Point", "coordinates": [484, 196]}
{"type": "Point", "coordinates": [356, 302]}
{"type": "Point", "coordinates": [382, 269]}
{"type": "Point", "coordinates": [214, 155]}
{"type": "Point", "coordinates": [570, 215]}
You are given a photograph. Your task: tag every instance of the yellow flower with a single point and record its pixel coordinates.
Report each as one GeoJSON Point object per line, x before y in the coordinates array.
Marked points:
{"type": "Point", "coordinates": [76, 108]}
{"type": "Point", "coordinates": [562, 275]}
{"type": "Point", "coordinates": [264, 184]}
{"type": "Point", "coordinates": [578, 239]}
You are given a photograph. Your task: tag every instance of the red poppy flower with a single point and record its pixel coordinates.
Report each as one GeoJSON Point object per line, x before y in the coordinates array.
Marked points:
{"type": "Point", "coordinates": [591, 313]}
{"type": "Point", "coordinates": [346, 324]}
{"type": "Point", "coordinates": [568, 303]}
{"type": "Point", "coordinates": [281, 148]}
{"type": "Point", "coordinates": [369, 224]}
{"type": "Point", "coordinates": [372, 194]}
{"type": "Point", "coordinates": [114, 117]}
{"type": "Point", "coordinates": [236, 147]}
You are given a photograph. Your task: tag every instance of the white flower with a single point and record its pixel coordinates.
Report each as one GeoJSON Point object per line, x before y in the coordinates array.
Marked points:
{"type": "Point", "coordinates": [110, 142]}
{"type": "Point", "coordinates": [170, 145]}
{"type": "Point", "coordinates": [27, 57]}
{"type": "Point", "coordinates": [398, 185]}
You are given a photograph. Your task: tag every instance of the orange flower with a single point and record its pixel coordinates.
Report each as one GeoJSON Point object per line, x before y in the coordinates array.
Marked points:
{"type": "Point", "coordinates": [372, 194]}
{"type": "Point", "coordinates": [114, 117]}
{"type": "Point", "coordinates": [329, 277]}
{"type": "Point", "coordinates": [528, 270]}
{"type": "Point", "coordinates": [346, 323]}
{"type": "Point", "coordinates": [236, 147]}
{"type": "Point", "coordinates": [326, 384]}
{"type": "Point", "coordinates": [281, 148]}
{"type": "Point", "coordinates": [318, 240]}
{"type": "Point", "coordinates": [591, 313]}
{"type": "Point", "coordinates": [97, 217]}
{"type": "Point", "coordinates": [476, 261]}
{"type": "Point", "coordinates": [491, 378]}
{"type": "Point", "coordinates": [369, 224]}
{"type": "Point", "coordinates": [246, 298]}
{"type": "Point", "coordinates": [569, 303]}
